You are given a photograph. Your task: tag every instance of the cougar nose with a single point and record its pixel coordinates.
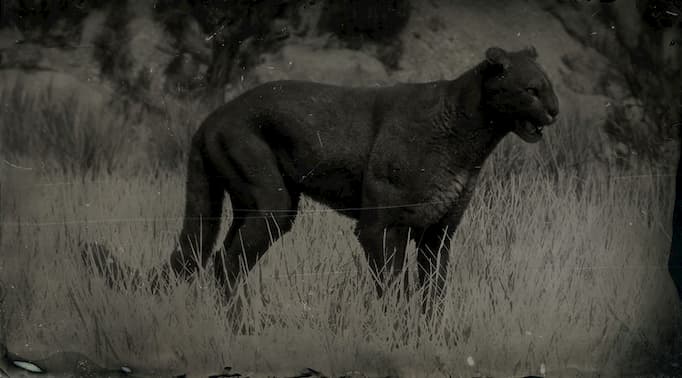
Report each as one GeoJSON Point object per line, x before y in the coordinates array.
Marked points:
{"type": "Point", "coordinates": [550, 118]}
{"type": "Point", "coordinates": [553, 109]}
{"type": "Point", "coordinates": [551, 114]}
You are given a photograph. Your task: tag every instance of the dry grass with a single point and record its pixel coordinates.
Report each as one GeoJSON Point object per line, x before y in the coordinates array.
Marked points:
{"type": "Point", "coordinates": [559, 262]}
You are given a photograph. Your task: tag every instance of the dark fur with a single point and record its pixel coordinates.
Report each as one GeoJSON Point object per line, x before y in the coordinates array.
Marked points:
{"type": "Point", "coordinates": [398, 159]}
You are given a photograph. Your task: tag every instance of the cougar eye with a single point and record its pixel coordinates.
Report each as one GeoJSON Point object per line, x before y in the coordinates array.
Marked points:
{"type": "Point", "coordinates": [532, 91]}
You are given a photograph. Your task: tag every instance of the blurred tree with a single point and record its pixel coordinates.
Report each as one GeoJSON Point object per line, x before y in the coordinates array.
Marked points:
{"type": "Point", "coordinates": [378, 21]}
{"type": "Point", "coordinates": [643, 67]}
{"type": "Point", "coordinates": [110, 46]}
{"type": "Point", "coordinates": [666, 14]}
{"type": "Point", "coordinates": [52, 23]}
{"type": "Point", "coordinates": [359, 20]}
{"type": "Point", "coordinates": [675, 257]}
{"type": "Point", "coordinates": [660, 13]}
{"type": "Point", "coordinates": [649, 66]}
{"type": "Point", "coordinates": [230, 26]}
{"type": "Point", "coordinates": [226, 35]}
{"type": "Point", "coordinates": [240, 30]}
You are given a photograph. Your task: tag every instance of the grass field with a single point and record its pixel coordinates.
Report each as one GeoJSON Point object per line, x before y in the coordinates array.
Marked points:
{"type": "Point", "coordinates": [557, 267]}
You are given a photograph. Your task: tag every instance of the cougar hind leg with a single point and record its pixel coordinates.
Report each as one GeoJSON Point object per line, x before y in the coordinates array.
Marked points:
{"type": "Point", "coordinates": [264, 204]}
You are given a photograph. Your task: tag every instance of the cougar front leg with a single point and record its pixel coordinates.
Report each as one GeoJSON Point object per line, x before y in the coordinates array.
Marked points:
{"type": "Point", "coordinates": [385, 251]}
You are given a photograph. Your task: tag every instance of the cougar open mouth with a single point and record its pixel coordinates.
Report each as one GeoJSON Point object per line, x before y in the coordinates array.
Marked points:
{"type": "Point", "coordinates": [528, 131]}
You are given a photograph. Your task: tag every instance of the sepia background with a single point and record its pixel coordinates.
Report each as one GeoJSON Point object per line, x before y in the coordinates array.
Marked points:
{"type": "Point", "coordinates": [558, 268]}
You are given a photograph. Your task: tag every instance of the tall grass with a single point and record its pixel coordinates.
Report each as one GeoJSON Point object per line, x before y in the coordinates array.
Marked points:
{"type": "Point", "coordinates": [559, 262]}
{"type": "Point", "coordinates": [123, 138]}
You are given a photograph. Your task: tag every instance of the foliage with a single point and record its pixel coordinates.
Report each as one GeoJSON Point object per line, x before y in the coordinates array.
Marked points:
{"type": "Point", "coordinates": [231, 26]}
{"type": "Point", "coordinates": [42, 18]}
{"type": "Point", "coordinates": [642, 67]}
{"type": "Point", "coordinates": [65, 136]}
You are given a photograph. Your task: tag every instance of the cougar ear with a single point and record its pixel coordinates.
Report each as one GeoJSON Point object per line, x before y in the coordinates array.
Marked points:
{"type": "Point", "coordinates": [530, 51]}
{"type": "Point", "coordinates": [498, 60]}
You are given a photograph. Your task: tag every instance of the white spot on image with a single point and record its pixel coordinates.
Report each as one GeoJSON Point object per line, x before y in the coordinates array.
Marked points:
{"type": "Point", "coordinates": [28, 366]}
{"type": "Point", "coordinates": [16, 166]}
{"type": "Point", "coordinates": [543, 370]}
{"type": "Point", "coordinates": [319, 139]}
{"type": "Point", "coordinates": [470, 361]}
